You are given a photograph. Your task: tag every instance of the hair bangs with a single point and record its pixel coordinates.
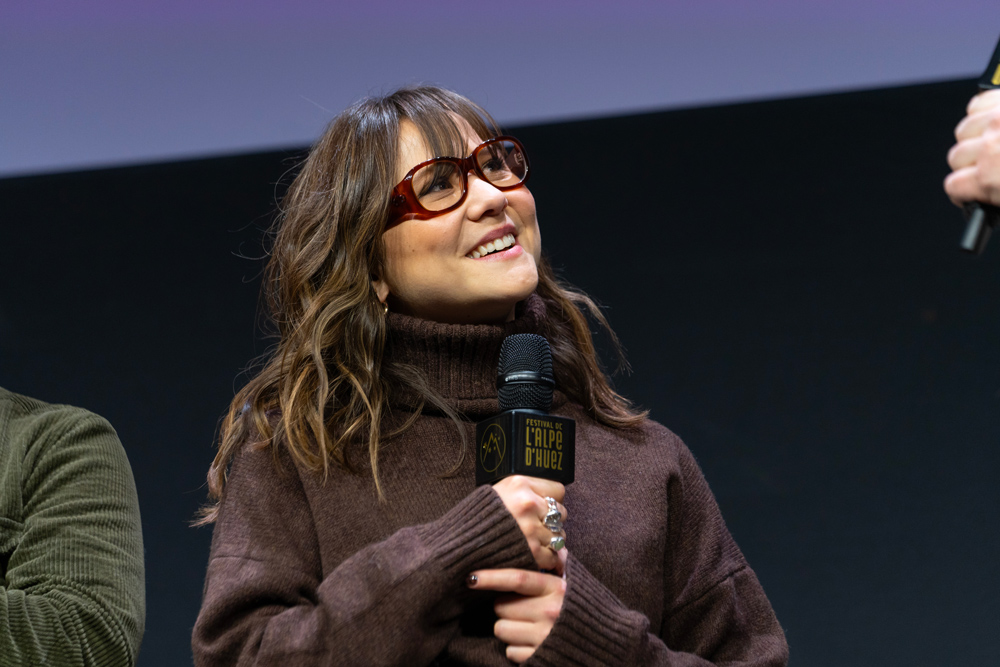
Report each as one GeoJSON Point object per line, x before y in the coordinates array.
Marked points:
{"type": "Point", "coordinates": [438, 113]}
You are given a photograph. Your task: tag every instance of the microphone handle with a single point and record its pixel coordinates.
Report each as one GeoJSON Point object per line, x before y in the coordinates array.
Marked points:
{"type": "Point", "coordinates": [981, 219]}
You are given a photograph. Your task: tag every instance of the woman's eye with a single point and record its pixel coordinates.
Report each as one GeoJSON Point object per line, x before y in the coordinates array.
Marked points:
{"type": "Point", "coordinates": [436, 180]}
{"type": "Point", "coordinates": [494, 164]}
{"type": "Point", "coordinates": [436, 186]}
{"type": "Point", "coordinates": [497, 170]}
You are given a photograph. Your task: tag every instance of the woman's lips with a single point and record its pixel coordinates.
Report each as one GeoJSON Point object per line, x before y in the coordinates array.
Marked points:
{"type": "Point", "coordinates": [508, 253]}
{"type": "Point", "coordinates": [500, 246]}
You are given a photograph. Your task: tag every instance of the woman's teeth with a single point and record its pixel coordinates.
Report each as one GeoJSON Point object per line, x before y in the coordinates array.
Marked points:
{"type": "Point", "coordinates": [493, 246]}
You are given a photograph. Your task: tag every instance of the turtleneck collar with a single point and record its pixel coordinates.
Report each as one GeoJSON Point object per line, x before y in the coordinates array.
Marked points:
{"type": "Point", "coordinates": [460, 360]}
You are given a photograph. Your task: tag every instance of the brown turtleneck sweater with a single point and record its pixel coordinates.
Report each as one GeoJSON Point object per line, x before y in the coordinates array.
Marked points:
{"type": "Point", "coordinates": [304, 572]}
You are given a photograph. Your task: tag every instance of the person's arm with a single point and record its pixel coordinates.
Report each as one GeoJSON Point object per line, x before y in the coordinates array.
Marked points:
{"type": "Point", "coordinates": [717, 612]}
{"type": "Point", "coordinates": [73, 592]}
{"type": "Point", "coordinates": [394, 602]}
{"type": "Point", "coordinates": [975, 158]}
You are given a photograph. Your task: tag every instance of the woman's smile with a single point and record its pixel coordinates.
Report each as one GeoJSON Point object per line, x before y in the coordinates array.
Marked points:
{"type": "Point", "coordinates": [495, 242]}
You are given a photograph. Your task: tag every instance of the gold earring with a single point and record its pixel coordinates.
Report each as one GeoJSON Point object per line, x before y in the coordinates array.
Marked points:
{"type": "Point", "coordinates": [385, 308]}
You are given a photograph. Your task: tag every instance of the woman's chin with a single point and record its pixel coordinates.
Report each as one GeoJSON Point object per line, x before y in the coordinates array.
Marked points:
{"type": "Point", "coordinates": [487, 311]}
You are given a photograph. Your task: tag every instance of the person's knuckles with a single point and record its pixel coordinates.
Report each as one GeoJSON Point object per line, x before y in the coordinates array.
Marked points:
{"type": "Point", "coordinates": [550, 610]}
{"type": "Point", "coordinates": [991, 122]}
{"type": "Point", "coordinates": [952, 193]}
{"type": "Point", "coordinates": [548, 488]}
{"type": "Point", "coordinates": [968, 127]}
{"type": "Point", "coordinates": [525, 504]}
{"type": "Point", "coordinates": [985, 100]}
{"type": "Point", "coordinates": [519, 579]}
{"type": "Point", "coordinates": [953, 156]}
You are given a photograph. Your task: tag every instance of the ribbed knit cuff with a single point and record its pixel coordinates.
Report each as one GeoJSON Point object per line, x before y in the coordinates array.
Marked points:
{"type": "Point", "coordinates": [477, 533]}
{"type": "Point", "coordinates": [593, 628]}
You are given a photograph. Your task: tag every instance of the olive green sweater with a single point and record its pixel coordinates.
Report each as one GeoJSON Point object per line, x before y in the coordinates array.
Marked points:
{"type": "Point", "coordinates": [71, 563]}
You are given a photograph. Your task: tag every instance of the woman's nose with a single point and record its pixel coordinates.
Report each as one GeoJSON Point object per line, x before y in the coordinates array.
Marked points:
{"type": "Point", "coordinates": [484, 200]}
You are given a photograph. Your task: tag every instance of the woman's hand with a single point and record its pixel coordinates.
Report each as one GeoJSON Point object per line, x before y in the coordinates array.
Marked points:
{"type": "Point", "coordinates": [526, 617]}
{"type": "Point", "coordinates": [525, 500]}
{"type": "Point", "coordinates": [975, 159]}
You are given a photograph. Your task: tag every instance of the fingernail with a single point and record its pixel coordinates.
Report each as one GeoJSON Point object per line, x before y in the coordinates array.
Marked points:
{"type": "Point", "coordinates": [471, 580]}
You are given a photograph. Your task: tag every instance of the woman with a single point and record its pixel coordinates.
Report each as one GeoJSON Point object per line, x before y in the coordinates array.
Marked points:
{"type": "Point", "coordinates": [349, 530]}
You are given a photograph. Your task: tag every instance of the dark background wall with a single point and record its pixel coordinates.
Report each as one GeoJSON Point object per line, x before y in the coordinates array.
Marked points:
{"type": "Point", "coordinates": [785, 277]}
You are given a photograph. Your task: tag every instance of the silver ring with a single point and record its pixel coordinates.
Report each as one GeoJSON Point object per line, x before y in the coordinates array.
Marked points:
{"type": "Point", "coordinates": [553, 518]}
{"type": "Point", "coordinates": [556, 543]}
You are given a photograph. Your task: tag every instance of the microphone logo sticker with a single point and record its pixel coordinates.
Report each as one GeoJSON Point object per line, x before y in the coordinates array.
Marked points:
{"type": "Point", "coordinates": [492, 448]}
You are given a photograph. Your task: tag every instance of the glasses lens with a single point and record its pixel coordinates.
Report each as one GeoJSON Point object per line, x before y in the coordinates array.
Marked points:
{"type": "Point", "coordinates": [503, 163]}
{"type": "Point", "coordinates": [437, 185]}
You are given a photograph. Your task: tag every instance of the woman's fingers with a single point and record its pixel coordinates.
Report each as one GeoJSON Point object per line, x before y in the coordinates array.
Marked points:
{"type": "Point", "coordinates": [528, 501]}
{"type": "Point", "coordinates": [523, 494]}
{"type": "Point", "coordinates": [546, 487]}
{"type": "Point", "coordinates": [545, 558]}
{"type": "Point", "coordinates": [513, 580]}
{"type": "Point", "coordinates": [526, 616]}
{"type": "Point", "coordinates": [520, 634]}
{"type": "Point", "coordinates": [541, 608]}
{"type": "Point", "coordinates": [519, 654]}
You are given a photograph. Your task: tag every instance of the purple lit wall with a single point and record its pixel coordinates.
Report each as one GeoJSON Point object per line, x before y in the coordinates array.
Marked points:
{"type": "Point", "coordinates": [121, 81]}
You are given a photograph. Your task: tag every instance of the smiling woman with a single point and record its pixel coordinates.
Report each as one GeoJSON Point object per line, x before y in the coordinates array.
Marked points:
{"type": "Point", "coordinates": [476, 254]}
{"type": "Point", "coordinates": [348, 527]}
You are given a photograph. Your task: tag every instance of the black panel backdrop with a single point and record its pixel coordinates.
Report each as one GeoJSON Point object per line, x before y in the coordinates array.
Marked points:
{"type": "Point", "coordinates": [785, 276]}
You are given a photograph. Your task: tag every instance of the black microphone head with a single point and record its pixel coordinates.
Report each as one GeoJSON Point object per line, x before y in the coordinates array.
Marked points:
{"type": "Point", "coordinates": [524, 374]}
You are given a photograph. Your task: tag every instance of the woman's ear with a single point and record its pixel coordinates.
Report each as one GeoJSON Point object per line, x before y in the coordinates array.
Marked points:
{"type": "Point", "coordinates": [381, 289]}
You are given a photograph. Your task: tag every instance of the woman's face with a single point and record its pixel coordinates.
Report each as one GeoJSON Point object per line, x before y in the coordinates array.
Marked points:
{"type": "Point", "coordinates": [430, 271]}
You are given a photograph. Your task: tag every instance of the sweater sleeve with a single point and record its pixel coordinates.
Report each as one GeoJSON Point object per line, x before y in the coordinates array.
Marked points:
{"type": "Point", "coordinates": [395, 602]}
{"type": "Point", "coordinates": [719, 614]}
{"type": "Point", "coordinates": [73, 592]}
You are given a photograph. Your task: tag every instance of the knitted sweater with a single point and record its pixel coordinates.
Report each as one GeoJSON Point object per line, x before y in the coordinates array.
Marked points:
{"type": "Point", "coordinates": [306, 572]}
{"type": "Point", "coordinates": [71, 564]}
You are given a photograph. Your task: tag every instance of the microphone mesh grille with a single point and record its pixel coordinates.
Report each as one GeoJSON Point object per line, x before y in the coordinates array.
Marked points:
{"type": "Point", "coordinates": [521, 353]}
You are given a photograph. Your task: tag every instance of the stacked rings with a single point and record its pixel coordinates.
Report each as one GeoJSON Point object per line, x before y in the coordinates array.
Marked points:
{"type": "Point", "coordinates": [553, 521]}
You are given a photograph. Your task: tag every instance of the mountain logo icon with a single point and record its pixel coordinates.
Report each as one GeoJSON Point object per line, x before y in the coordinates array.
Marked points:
{"type": "Point", "coordinates": [492, 448]}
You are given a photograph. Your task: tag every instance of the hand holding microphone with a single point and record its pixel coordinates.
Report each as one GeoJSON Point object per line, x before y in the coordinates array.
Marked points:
{"type": "Point", "coordinates": [527, 499]}
{"type": "Point", "coordinates": [528, 450]}
{"type": "Point", "coordinates": [974, 183]}
{"type": "Point", "coordinates": [527, 454]}
{"type": "Point", "coordinates": [975, 159]}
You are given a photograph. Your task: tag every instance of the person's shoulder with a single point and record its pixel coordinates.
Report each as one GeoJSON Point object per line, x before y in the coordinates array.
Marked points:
{"type": "Point", "coordinates": [646, 431]}
{"type": "Point", "coordinates": [654, 430]}
{"type": "Point", "coordinates": [646, 435]}
{"type": "Point", "coordinates": [259, 457]}
{"type": "Point", "coordinates": [34, 427]}
{"type": "Point", "coordinates": [21, 406]}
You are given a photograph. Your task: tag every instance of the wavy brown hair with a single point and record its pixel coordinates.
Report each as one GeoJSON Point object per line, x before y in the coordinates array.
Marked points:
{"type": "Point", "coordinates": [327, 383]}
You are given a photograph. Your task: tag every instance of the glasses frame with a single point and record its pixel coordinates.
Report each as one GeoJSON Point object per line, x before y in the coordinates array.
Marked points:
{"type": "Point", "coordinates": [403, 201]}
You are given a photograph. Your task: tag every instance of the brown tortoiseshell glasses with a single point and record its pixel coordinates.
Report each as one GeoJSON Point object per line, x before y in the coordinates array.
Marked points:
{"type": "Point", "coordinates": [440, 184]}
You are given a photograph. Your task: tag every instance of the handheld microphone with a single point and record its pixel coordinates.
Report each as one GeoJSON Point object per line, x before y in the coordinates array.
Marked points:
{"type": "Point", "coordinates": [982, 218]}
{"type": "Point", "coordinates": [524, 439]}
